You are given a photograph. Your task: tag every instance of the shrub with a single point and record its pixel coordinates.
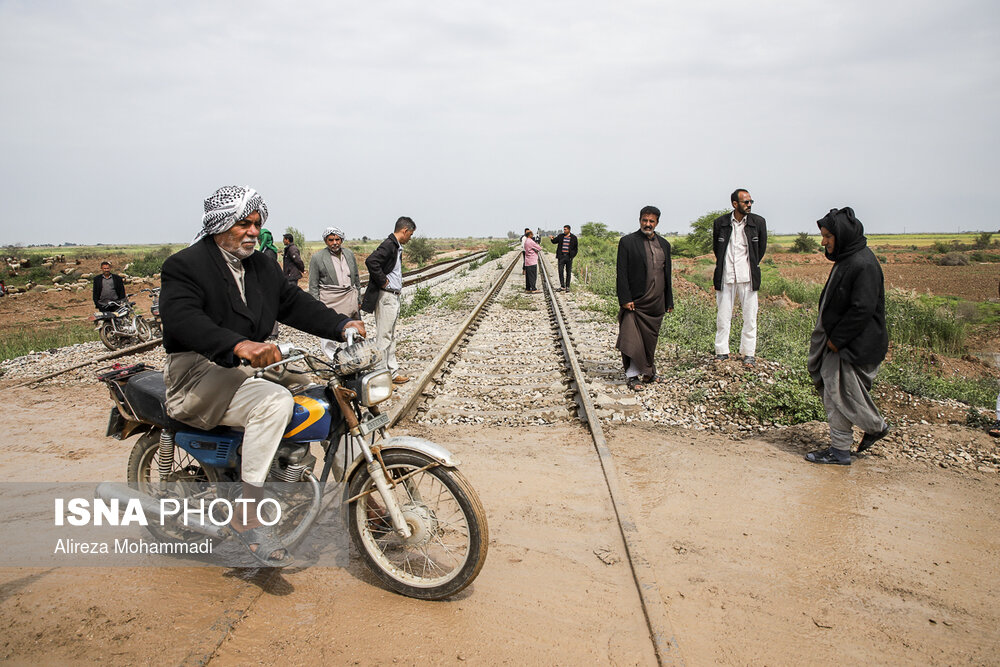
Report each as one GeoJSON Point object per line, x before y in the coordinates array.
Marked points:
{"type": "Point", "coordinates": [953, 259]}
{"type": "Point", "coordinates": [982, 241]}
{"type": "Point", "coordinates": [922, 324]}
{"type": "Point", "coordinates": [419, 250]}
{"type": "Point", "coordinates": [914, 379]}
{"type": "Point", "coordinates": [883, 259]}
{"type": "Point", "coordinates": [804, 243]}
{"type": "Point", "coordinates": [597, 230]}
{"type": "Point", "coordinates": [422, 298]}
{"type": "Point", "coordinates": [699, 241]}
{"type": "Point", "coordinates": [984, 257]}
{"type": "Point", "coordinates": [941, 247]}
{"type": "Point", "coordinates": [496, 250]}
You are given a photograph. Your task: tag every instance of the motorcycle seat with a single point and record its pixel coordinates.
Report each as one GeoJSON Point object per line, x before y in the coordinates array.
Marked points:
{"type": "Point", "coordinates": [146, 394]}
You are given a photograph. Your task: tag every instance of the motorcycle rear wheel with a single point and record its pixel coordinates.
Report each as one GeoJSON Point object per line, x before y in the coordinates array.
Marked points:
{"type": "Point", "coordinates": [108, 336]}
{"type": "Point", "coordinates": [450, 537]}
{"type": "Point", "coordinates": [187, 474]}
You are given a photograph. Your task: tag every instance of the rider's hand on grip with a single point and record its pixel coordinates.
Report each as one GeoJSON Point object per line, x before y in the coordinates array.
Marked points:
{"type": "Point", "coordinates": [258, 354]}
{"type": "Point", "coordinates": [357, 325]}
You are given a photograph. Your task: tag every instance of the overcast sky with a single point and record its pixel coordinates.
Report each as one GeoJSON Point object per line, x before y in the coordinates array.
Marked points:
{"type": "Point", "coordinates": [475, 118]}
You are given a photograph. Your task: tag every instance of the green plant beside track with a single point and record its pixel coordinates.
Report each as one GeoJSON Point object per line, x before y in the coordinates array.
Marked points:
{"type": "Point", "coordinates": [44, 338]}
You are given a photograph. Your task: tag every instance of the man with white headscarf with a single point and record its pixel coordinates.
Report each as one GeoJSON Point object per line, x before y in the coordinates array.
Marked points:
{"type": "Point", "coordinates": [219, 301]}
{"type": "Point", "coordinates": [333, 275]}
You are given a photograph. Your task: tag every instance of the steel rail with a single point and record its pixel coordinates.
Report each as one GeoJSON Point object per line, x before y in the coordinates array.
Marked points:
{"type": "Point", "coordinates": [425, 378]}
{"type": "Point", "coordinates": [660, 630]}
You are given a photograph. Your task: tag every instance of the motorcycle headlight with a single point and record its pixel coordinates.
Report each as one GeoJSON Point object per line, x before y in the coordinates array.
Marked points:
{"type": "Point", "coordinates": [375, 388]}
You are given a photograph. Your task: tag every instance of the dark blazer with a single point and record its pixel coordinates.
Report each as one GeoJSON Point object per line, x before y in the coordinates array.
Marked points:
{"type": "Point", "coordinates": [557, 240]}
{"type": "Point", "coordinates": [631, 268]}
{"type": "Point", "coordinates": [119, 287]}
{"type": "Point", "coordinates": [756, 234]}
{"type": "Point", "coordinates": [293, 264]}
{"type": "Point", "coordinates": [380, 264]}
{"type": "Point", "coordinates": [854, 313]}
{"type": "Point", "coordinates": [202, 310]}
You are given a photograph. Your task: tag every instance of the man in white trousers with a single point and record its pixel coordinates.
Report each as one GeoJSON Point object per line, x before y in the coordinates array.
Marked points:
{"type": "Point", "coordinates": [739, 240]}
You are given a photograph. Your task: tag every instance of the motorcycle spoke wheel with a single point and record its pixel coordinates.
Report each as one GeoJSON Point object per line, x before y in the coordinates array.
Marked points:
{"type": "Point", "coordinates": [107, 336]}
{"type": "Point", "coordinates": [449, 540]}
{"type": "Point", "coordinates": [142, 330]}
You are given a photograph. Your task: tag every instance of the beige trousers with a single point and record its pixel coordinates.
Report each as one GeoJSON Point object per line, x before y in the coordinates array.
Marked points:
{"type": "Point", "coordinates": [386, 315]}
{"type": "Point", "coordinates": [263, 409]}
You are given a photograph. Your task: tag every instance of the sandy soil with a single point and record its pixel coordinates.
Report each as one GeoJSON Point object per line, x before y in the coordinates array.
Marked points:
{"type": "Point", "coordinates": [760, 557]}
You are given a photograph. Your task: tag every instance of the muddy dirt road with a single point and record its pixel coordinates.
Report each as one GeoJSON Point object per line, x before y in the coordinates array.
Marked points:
{"type": "Point", "coordinates": [759, 557]}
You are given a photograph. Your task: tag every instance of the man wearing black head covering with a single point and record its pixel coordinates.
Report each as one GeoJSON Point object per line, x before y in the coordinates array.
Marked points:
{"type": "Point", "coordinates": [850, 340]}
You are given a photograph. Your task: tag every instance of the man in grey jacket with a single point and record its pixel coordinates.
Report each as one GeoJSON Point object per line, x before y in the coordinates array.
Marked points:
{"type": "Point", "coordinates": [333, 275]}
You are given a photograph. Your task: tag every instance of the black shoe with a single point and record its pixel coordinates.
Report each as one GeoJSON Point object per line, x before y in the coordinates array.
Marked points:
{"type": "Point", "coordinates": [827, 455]}
{"type": "Point", "coordinates": [869, 439]}
{"type": "Point", "coordinates": [721, 357]}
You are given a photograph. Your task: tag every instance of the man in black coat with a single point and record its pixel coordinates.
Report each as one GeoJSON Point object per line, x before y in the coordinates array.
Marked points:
{"type": "Point", "coordinates": [219, 301]}
{"type": "Point", "coordinates": [850, 340]}
{"type": "Point", "coordinates": [385, 284]}
{"type": "Point", "coordinates": [566, 248]}
{"type": "Point", "coordinates": [644, 295]}
{"type": "Point", "coordinates": [739, 240]}
{"type": "Point", "coordinates": [109, 288]}
{"type": "Point", "coordinates": [292, 260]}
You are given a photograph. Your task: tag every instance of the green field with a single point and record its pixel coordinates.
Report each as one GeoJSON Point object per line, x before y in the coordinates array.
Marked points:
{"type": "Point", "coordinates": [901, 241]}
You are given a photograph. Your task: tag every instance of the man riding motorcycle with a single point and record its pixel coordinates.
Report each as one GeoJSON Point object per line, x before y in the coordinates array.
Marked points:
{"type": "Point", "coordinates": [219, 302]}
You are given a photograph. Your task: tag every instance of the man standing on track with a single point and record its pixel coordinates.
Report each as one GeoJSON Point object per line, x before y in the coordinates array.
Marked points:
{"type": "Point", "coordinates": [739, 240]}
{"type": "Point", "coordinates": [333, 275]}
{"type": "Point", "coordinates": [292, 260]}
{"type": "Point", "coordinates": [385, 284]}
{"type": "Point", "coordinates": [566, 247]}
{"type": "Point", "coordinates": [644, 295]}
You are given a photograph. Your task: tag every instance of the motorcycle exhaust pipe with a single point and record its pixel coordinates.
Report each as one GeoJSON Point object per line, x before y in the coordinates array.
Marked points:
{"type": "Point", "coordinates": [151, 508]}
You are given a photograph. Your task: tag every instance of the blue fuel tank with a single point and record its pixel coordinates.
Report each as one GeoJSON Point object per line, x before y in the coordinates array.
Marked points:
{"type": "Point", "coordinates": [311, 418]}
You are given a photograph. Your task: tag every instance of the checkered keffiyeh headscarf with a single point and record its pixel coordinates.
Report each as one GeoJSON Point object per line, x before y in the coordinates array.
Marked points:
{"type": "Point", "coordinates": [336, 231]}
{"type": "Point", "coordinates": [226, 206]}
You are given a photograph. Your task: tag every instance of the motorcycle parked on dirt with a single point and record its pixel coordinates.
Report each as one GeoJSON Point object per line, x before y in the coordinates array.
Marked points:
{"type": "Point", "coordinates": [155, 324]}
{"type": "Point", "coordinates": [122, 326]}
{"type": "Point", "coordinates": [416, 521]}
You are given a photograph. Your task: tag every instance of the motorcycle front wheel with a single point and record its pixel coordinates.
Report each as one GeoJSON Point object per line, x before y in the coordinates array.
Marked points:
{"type": "Point", "coordinates": [449, 540]}
{"type": "Point", "coordinates": [108, 336]}
{"type": "Point", "coordinates": [142, 330]}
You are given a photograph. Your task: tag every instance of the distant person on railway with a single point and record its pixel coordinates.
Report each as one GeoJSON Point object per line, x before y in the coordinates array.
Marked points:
{"type": "Point", "coordinates": [739, 240]}
{"type": "Point", "coordinates": [109, 288]}
{"type": "Point", "coordinates": [566, 249]}
{"type": "Point", "coordinates": [523, 238]}
{"type": "Point", "coordinates": [333, 275]}
{"type": "Point", "coordinates": [531, 253]}
{"type": "Point", "coordinates": [219, 300]}
{"type": "Point", "coordinates": [385, 284]}
{"type": "Point", "coordinates": [645, 293]}
{"type": "Point", "coordinates": [292, 260]}
{"type": "Point", "coordinates": [850, 340]}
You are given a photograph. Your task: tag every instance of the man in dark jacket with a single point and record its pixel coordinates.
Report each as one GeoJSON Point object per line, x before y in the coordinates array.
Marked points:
{"type": "Point", "coordinates": [219, 301]}
{"type": "Point", "coordinates": [850, 340]}
{"type": "Point", "coordinates": [644, 295]}
{"type": "Point", "coordinates": [739, 240]}
{"type": "Point", "coordinates": [292, 260]}
{"type": "Point", "coordinates": [385, 284]}
{"type": "Point", "coordinates": [109, 288]}
{"type": "Point", "coordinates": [566, 247]}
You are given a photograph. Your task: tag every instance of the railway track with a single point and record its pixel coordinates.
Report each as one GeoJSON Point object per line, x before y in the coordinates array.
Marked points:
{"type": "Point", "coordinates": [517, 364]}
{"type": "Point", "coordinates": [511, 362]}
